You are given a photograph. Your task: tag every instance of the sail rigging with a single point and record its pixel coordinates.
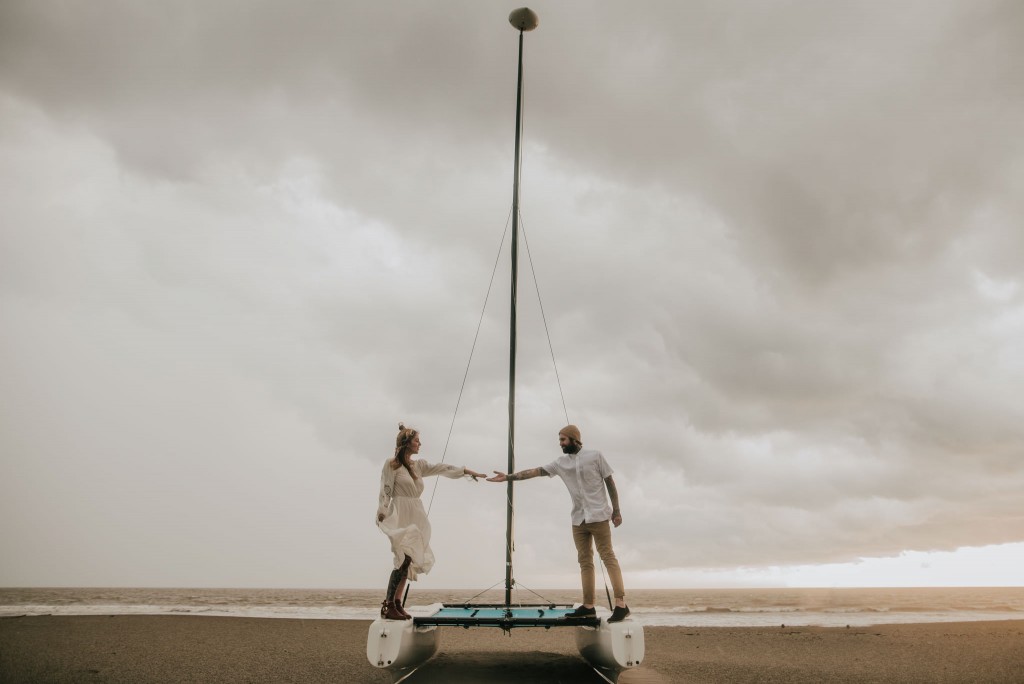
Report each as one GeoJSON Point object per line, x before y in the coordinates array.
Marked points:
{"type": "Point", "coordinates": [402, 646]}
{"type": "Point", "coordinates": [527, 22]}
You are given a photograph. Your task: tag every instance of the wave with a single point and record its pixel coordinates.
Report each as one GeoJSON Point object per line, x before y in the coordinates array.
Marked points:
{"type": "Point", "coordinates": [654, 607]}
{"type": "Point", "coordinates": [287, 612]}
{"type": "Point", "coordinates": [823, 609]}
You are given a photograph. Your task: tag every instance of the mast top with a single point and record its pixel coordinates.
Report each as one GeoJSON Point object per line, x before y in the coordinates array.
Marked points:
{"type": "Point", "coordinates": [524, 19]}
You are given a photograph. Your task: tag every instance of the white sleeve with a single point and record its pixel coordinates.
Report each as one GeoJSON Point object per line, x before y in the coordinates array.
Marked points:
{"type": "Point", "coordinates": [387, 487]}
{"type": "Point", "coordinates": [443, 469]}
{"type": "Point", "coordinates": [603, 467]}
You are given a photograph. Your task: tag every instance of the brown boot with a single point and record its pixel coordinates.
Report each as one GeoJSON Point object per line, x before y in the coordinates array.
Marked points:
{"type": "Point", "coordinates": [389, 611]}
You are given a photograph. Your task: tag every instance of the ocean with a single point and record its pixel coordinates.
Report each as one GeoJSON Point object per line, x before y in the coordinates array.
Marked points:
{"type": "Point", "coordinates": [653, 607]}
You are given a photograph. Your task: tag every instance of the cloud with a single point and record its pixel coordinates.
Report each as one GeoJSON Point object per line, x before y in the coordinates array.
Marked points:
{"type": "Point", "coordinates": [776, 249]}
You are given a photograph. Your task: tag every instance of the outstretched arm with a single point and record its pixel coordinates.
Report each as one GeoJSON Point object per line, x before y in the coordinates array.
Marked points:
{"type": "Point", "coordinates": [445, 470]}
{"type": "Point", "coordinates": [521, 475]}
{"type": "Point", "coordinates": [613, 494]}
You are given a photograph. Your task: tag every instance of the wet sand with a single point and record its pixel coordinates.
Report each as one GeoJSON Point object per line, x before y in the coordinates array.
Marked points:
{"type": "Point", "coordinates": [145, 649]}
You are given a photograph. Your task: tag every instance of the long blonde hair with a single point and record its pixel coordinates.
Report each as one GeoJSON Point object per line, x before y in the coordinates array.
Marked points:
{"type": "Point", "coordinates": [402, 443]}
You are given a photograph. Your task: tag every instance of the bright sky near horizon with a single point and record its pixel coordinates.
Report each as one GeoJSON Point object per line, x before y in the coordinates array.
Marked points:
{"type": "Point", "coordinates": [778, 246]}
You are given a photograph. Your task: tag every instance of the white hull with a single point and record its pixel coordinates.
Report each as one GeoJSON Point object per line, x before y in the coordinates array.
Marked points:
{"type": "Point", "coordinates": [398, 644]}
{"type": "Point", "coordinates": [616, 646]}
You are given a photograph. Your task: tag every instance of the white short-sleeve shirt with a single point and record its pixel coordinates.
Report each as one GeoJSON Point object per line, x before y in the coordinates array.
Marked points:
{"type": "Point", "coordinates": [583, 474]}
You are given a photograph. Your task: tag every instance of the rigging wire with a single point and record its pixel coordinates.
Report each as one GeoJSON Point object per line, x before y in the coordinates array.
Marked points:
{"type": "Point", "coordinates": [462, 389]}
{"type": "Point", "coordinates": [558, 379]}
{"type": "Point", "coordinates": [547, 334]}
{"type": "Point", "coordinates": [544, 598]}
{"type": "Point", "coordinates": [607, 592]}
{"type": "Point", "coordinates": [543, 317]}
{"type": "Point", "coordinates": [484, 591]}
{"type": "Point", "coordinates": [476, 337]}
{"type": "Point", "coordinates": [465, 376]}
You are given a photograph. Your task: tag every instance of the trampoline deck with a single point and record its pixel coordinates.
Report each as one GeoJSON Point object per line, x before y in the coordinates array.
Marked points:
{"type": "Point", "coordinates": [506, 617]}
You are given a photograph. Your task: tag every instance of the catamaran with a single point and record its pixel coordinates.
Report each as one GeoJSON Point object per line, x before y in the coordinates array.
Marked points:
{"type": "Point", "coordinates": [402, 646]}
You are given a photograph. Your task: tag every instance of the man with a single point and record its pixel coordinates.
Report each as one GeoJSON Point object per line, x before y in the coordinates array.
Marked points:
{"type": "Point", "coordinates": [586, 474]}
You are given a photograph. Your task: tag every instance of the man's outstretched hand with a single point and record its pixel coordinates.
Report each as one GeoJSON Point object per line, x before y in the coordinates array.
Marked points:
{"type": "Point", "coordinates": [498, 477]}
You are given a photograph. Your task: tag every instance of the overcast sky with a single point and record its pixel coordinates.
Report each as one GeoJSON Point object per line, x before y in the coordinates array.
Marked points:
{"type": "Point", "coordinates": [778, 247]}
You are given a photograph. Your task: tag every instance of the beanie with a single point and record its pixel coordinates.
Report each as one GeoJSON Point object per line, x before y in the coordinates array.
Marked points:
{"type": "Point", "coordinates": [572, 432]}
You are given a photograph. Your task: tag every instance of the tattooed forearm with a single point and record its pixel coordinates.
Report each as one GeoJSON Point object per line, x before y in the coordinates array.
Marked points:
{"type": "Point", "coordinates": [613, 493]}
{"type": "Point", "coordinates": [527, 474]}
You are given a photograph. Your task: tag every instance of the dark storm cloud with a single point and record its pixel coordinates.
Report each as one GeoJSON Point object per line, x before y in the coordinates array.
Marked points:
{"type": "Point", "coordinates": [777, 245]}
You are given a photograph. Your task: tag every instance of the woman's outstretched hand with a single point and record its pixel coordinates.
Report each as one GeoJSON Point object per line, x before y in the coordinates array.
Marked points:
{"type": "Point", "coordinates": [473, 474]}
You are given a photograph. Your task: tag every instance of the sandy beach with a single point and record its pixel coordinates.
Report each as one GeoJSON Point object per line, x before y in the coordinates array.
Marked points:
{"type": "Point", "coordinates": [143, 649]}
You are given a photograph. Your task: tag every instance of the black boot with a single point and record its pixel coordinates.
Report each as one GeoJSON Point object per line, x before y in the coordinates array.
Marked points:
{"type": "Point", "coordinates": [581, 612]}
{"type": "Point", "coordinates": [619, 614]}
{"type": "Point", "coordinates": [391, 609]}
{"type": "Point", "coordinates": [404, 572]}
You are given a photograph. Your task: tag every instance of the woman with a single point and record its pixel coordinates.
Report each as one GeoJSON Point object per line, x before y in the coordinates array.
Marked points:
{"type": "Point", "coordinates": [400, 515]}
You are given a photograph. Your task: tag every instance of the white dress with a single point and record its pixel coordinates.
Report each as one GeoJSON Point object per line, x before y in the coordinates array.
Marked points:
{"type": "Point", "coordinates": [405, 520]}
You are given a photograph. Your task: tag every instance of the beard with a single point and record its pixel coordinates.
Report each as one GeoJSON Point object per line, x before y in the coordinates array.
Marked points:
{"type": "Point", "coordinates": [571, 448]}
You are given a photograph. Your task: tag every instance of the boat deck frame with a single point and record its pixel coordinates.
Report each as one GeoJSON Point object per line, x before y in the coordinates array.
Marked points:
{"type": "Point", "coordinates": [468, 615]}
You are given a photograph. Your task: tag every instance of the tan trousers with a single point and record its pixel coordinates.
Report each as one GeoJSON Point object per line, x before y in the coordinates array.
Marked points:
{"type": "Point", "coordinates": [586, 536]}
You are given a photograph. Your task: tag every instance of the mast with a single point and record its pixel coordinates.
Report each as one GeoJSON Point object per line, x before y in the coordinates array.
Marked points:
{"type": "Point", "coordinates": [524, 20]}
